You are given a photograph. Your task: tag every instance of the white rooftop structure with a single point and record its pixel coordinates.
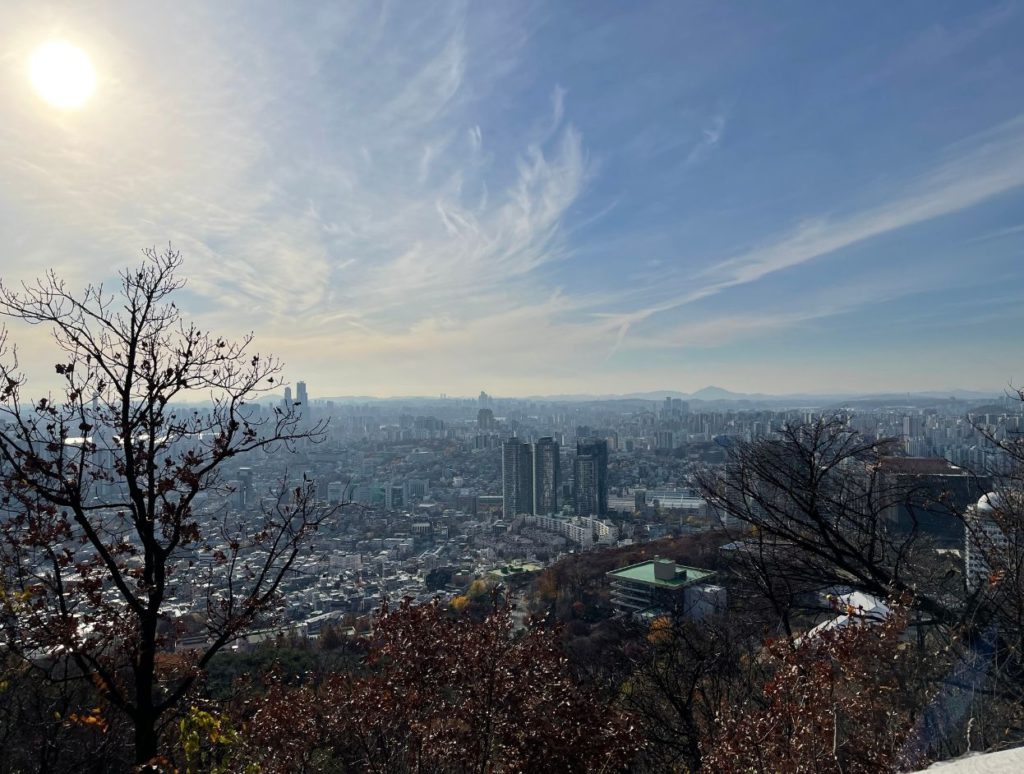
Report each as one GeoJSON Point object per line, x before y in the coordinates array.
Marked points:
{"type": "Point", "coordinates": [855, 608]}
{"type": "Point", "coordinates": [1002, 762]}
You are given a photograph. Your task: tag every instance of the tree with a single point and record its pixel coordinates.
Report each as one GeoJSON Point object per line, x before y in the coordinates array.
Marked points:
{"type": "Point", "coordinates": [815, 514]}
{"type": "Point", "coordinates": [833, 704]}
{"type": "Point", "coordinates": [445, 693]}
{"type": "Point", "coordinates": [814, 510]}
{"type": "Point", "coordinates": [53, 726]}
{"type": "Point", "coordinates": [683, 673]}
{"type": "Point", "coordinates": [103, 491]}
{"type": "Point", "coordinates": [438, 578]}
{"type": "Point", "coordinates": [995, 584]}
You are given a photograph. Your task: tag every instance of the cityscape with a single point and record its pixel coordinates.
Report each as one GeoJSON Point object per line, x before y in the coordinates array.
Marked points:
{"type": "Point", "coordinates": [479, 487]}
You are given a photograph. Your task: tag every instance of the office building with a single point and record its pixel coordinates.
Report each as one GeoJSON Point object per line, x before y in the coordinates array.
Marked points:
{"type": "Point", "coordinates": [662, 587]}
{"type": "Point", "coordinates": [590, 477]}
{"type": "Point", "coordinates": [913, 426]}
{"type": "Point", "coordinates": [485, 419]}
{"type": "Point", "coordinates": [927, 497]}
{"type": "Point", "coordinates": [516, 478]}
{"type": "Point", "coordinates": [545, 476]}
{"type": "Point", "coordinates": [394, 496]}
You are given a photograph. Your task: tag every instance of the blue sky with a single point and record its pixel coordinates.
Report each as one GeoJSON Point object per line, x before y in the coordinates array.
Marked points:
{"type": "Point", "coordinates": [415, 198]}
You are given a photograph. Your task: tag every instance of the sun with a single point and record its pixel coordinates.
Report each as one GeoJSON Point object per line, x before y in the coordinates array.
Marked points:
{"type": "Point", "coordinates": [62, 74]}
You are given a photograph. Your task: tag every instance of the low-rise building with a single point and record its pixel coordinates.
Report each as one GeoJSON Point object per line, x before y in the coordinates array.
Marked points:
{"type": "Point", "coordinates": [662, 587]}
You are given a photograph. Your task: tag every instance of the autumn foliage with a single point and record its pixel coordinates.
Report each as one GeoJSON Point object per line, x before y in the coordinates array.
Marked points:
{"type": "Point", "coordinates": [832, 705]}
{"type": "Point", "coordinates": [444, 693]}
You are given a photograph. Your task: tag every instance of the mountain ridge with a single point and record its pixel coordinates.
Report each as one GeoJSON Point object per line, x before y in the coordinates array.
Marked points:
{"type": "Point", "coordinates": [709, 394]}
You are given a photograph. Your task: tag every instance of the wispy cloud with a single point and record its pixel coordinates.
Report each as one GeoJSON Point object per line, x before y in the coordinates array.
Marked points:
{"type": "Point", "coordinates": [710, 137]}
{"type": "Point", "coordinates": [933, 43]}
{"type": "Point", "coordinates": [990, 164]}
{"type": "Point", "coordinates": [335, 186]}
{"type": "Point", "coordinates": [716, 330]}
{"type": "Point", "coordinates": [442, 187]}
{"type": "Point", "coordinates": [361, 174]}
{"type": "Point", "coordinates": [999, 233]}
{"type": "Point", "coordinates": [973, 171]}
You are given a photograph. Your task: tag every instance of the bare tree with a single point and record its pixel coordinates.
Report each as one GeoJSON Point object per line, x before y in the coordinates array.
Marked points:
{"type": "Point", "coordinates": [816, 514]}
{"type": "Point", "coordinates": [994, 553]}
{"type": "Point", "coordinates": [814, 510]}
{"type": "Point", "coordinates": [682, 678]}
{"type": "Point", "coordinates": [109, 491]}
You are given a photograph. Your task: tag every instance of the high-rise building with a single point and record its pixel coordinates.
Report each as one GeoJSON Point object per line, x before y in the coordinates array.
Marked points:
{"type": "Point", "coordinates": [545, 476]}
{"type": "Point", "coordinates": [394, 496]}
{"type": "Point", "coordinates": [590, 477]}
{"type": "Point", "coordinates": [301, 410]}
{"type": "Point", "coordinates": [927, 497]}
{"type": "Point", "coordinates": [987, 545]}
{"type": "Point", "coordinates": [913, 426]}
{"type": "Point", "coordinates": [516, 478]}
{"type": "Point", "coordinates": [336, 492]}
{"type": "Point", "coordinates": [485, 419]}
{"type": "Point", "coordinates": [674, 407]}
{"type": "Point", "coordinates": [245, 476]}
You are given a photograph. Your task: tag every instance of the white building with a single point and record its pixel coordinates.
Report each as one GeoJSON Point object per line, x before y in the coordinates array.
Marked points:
{"type": "Point", "coordinates": [985, 539]}
{"type": "Point", "coordinates": [583, 530]}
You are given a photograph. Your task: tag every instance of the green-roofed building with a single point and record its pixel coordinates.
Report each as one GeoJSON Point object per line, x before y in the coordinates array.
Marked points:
{"type": "Point", "coordinates": [661, 586]}
{"type": "Point", "coordinates": [515, 570]}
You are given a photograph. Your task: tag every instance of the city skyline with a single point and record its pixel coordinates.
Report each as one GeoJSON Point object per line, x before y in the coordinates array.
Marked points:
{"type": "Point", "coordinates": [420, 201]}
{"type": "Point", "coordinates": [710, 395]}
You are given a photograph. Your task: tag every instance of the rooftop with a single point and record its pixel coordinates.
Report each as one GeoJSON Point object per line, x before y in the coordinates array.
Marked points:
{"type": "Point", "coordinates": [509, 570]}
{"type": "Point", "coordinates": [644, 572]}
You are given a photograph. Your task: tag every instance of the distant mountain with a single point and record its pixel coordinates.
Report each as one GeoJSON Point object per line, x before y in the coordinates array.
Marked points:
{"type": "Point", "coordinates": [711, 394]}
{"type": "Point", "coordinates": [714, 396]}
{"type": "Point", "coordinates": [720, 393]}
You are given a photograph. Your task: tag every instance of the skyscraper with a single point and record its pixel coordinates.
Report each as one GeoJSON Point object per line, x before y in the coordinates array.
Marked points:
{"type": "Point", "coordinates": [913, 426]}
{"type": "Point", "coordinates": [545, 476]}
{"type": "Point", "coordinates": [516, 478]}
{"type": "Point", "coordinates": [303, 411]}
{"type": "Point", "coordinates": [590, 477]}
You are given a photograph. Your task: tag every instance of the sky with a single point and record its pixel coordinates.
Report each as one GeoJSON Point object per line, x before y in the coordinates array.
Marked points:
{"type": "Point", "coordinates": [543, 198]}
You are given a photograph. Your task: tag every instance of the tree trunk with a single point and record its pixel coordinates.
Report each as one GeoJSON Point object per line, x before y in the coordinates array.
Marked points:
{"type": "Point", "coordinates": [145, 739]}
{"type": "Point", "coordinates": [146, 714]}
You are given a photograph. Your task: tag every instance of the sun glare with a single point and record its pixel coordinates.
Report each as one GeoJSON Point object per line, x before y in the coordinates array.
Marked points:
{"type": "Point", "coordinates": [62, 74]}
